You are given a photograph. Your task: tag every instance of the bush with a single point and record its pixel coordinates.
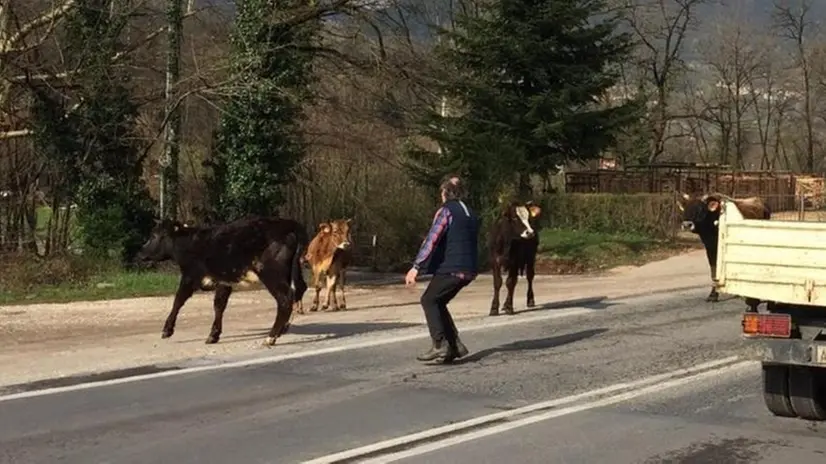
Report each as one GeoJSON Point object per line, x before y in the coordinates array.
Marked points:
{"type": "Point", "coordinates": [23, 272]}
{"type": "Point", "coordinates": [651, 215]}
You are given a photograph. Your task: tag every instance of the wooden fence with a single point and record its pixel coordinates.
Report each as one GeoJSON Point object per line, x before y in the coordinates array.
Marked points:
{"type": "Point", "coordinates": [781, 190]}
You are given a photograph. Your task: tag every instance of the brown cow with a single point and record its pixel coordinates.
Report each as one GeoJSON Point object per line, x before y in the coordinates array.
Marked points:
{"type": "Point", "coordinates": [329, 252]}
{"type": "Point", "coordinates": [701, 216]}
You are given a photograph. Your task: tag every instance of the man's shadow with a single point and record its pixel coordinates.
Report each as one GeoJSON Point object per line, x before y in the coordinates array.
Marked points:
{"type": "Point", "coordinates": [535, 344]}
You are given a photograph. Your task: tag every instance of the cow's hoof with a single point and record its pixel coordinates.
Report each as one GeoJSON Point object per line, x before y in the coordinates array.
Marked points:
{"type": "Point", "coordinates": [531, 303]}
{"type": "Point", "coordinates": [212, 339]}
{"type": "Point", "coordinates": [342, 307]}
{"type": "Point", "coordinates": [713, 297]}
{"type": "Point", "coordinates": [167, 333]}
{"type": "Point", "coordinates": [269, 341]}
{"type": "Point", "coordinates": [313, 309]}
{"type": "Point", "coordinates": [493, 312]}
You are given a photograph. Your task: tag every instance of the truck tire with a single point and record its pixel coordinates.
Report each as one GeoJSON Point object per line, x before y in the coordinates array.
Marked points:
{"type": "Point", "coordinates": [776, 390]}
{"type": "Point", "coordinates": [806, 393]}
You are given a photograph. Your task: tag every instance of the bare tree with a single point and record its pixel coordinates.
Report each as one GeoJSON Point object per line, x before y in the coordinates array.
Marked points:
{"type": "Point", "coordinates": [734, 59]}
{"type": "Point", "coordinates": [791, 18]}
{"type": "Point", "coordinates": [661, 28]}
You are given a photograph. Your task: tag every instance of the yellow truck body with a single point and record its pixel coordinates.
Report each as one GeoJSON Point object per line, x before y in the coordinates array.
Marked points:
{"type": "Point", "coordinates": [782, 261]}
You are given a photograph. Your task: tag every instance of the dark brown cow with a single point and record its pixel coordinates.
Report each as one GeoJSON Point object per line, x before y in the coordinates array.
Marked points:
{"type": "Point", "coordinates": [239, 253]}
{"type": "Point", "coordinates": [701, 214]}
{"type": "Point", "coordinates": [329, 253]}
{"type": "Point", "coordinates": [513, 242]}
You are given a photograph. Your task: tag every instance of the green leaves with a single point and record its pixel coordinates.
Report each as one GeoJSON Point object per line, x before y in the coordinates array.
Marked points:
{"type": "Point", "coordinates": [259, 143]}
{"type": "Point", "coordinates": [525, 78]}
{"type": "Point", "coordinates": [93, 145]}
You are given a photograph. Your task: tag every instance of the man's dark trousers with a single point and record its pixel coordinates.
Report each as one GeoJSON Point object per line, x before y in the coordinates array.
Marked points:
{"type": "Point", "coordinates": [442, 289]}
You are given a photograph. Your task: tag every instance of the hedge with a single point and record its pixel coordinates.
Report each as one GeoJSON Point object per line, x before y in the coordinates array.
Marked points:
{"type": "Point", "coordinates": [654, 215]}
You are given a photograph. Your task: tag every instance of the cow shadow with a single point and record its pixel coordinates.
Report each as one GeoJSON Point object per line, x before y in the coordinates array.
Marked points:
{"type": "Point", "coordinates": [532, 345]}
{"type": "Point", "coordinates": [596, 303]}
{"type": "Point", "coordinates": [335, 330]}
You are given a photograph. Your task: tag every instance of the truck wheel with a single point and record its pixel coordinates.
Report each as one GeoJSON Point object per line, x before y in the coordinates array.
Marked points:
{"type": "Point", "coordinates": [776, 390]}
{"type": "Point", "coordinates": [806, 392]}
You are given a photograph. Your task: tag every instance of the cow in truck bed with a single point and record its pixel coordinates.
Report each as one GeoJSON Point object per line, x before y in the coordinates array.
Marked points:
{"type": "Point", "coordinates": [701, 215]}
{"type": "Point", "coordinates": [513, 244]}
{"type": "Point", "coordinates": [220, 257]}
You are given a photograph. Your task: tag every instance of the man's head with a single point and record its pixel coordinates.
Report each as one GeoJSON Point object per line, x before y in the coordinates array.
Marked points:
{"type": "Point", "coordinates": [452, 188]}
{"type": "Point", "coordinates": [338, 232]}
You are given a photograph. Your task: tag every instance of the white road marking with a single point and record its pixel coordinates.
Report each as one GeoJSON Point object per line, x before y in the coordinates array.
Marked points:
{"type": "Point", "coordinates": [502, 321]}
{"type": "Point", "coordinates": [558, 413]}
{"type": "Point", "coordinates": [635, 388]}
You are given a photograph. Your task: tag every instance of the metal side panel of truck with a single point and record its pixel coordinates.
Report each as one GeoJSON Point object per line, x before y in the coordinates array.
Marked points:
{"type": "Point", "coordinates": [783, 264]}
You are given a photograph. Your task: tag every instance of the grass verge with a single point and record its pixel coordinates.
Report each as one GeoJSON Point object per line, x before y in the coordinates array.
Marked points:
{"type": "Point", "coordinates": [564, 251]}
{"type": "Point", "coordinates": [107, 286]}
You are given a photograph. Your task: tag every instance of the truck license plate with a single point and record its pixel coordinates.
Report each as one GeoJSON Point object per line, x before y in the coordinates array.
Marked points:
{"type": "Point", "coordinates": [820, 354]}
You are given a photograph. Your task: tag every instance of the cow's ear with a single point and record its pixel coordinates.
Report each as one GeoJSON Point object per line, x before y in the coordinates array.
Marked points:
{"type": "Point", "coordinates": [713, 205]}
{"type": "Point", "coordinates": [534, 210]}
{"type": "Point", "coordinates": [324, 227]}
{"type": "Point", "coordinates": [348, 221]}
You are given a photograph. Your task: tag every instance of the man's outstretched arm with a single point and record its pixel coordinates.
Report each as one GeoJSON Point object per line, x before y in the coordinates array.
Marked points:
{"type": "Point", "coordinates": [440, 223]}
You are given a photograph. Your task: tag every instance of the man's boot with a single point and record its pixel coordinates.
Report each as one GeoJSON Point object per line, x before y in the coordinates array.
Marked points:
{"type": "Point", "coordinates": [436, 351]}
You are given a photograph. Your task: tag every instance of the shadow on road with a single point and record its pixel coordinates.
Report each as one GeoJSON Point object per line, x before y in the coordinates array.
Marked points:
{"type": "Point", "coordinates": [336, 330]}
{"type": "Point", "coordinates": [535, 344]}
{"type": "Point", "coordinates": [596, 302]}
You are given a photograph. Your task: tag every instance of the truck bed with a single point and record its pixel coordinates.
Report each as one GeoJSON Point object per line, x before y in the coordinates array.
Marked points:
{"type": "Point", "coordinates": [780, 261]}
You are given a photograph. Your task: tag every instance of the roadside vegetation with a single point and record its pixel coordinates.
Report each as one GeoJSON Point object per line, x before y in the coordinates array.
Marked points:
{"type": "Point", "coordinates": [115, 113]}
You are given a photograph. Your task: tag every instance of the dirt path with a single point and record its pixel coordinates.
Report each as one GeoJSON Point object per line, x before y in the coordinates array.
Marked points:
{"type": "Point", "coordinates": [54, 340]}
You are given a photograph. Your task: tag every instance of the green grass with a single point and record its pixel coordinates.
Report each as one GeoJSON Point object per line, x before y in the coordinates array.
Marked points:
{"type": "Point", "coordinates": [112, 285]}
{"type": "Point", "coordinates": [583, 251]}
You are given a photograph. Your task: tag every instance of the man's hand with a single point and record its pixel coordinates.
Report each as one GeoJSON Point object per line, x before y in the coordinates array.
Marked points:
{"type": "Point", "coordinates": [410, 278]}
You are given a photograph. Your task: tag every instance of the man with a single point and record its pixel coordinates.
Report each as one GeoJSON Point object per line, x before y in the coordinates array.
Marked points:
{"type": "Point", "coordinates": [449, 252]}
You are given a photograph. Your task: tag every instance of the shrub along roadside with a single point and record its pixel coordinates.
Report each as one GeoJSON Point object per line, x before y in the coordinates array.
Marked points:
{"type": "Point", "coordinates": [566, 251]}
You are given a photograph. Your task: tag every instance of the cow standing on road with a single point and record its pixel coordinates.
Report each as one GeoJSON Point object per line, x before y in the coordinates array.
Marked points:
{"type": "Point", "coordinates": [329, 253]}
{"type": "Point", "coordinates": [513, 242]}
{"type": "Point", "coordinates": [239, 253]}
{"type": "Point", "coordinates": [701, 216]}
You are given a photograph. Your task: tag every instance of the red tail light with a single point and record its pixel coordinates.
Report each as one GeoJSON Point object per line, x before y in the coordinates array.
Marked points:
{"type": "Point", "coordinates": [767, 325]}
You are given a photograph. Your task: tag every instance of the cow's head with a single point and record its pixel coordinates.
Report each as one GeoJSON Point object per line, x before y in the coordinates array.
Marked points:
{"type": "Point", "coordinates": [699, 212]}
{"type": "Point", "coordinates": [338, 232]}
{"type": "Point", "coordinates": [161, 242]}
{"type": "Point", "coordinates": [521, 218]}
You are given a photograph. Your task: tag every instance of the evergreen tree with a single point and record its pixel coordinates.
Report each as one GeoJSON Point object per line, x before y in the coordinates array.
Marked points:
{"type": "Point", "coordinates": [258, 142]}
{"type": "Point", "coordinates": [523, 79]}
{"type": "Point", "coordinates": [94, 147]}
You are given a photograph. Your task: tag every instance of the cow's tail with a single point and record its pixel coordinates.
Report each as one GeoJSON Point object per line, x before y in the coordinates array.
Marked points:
{"type": "Point", "coordinates": [297, 271]}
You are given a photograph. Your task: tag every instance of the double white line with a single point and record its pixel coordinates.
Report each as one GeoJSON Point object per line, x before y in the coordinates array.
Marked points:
{"type": "Point", "coordinates": [460, 432]}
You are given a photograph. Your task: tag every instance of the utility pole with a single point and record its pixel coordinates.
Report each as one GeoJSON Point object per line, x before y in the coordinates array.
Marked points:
{"type": "Point", "coordinates": [172, 131]}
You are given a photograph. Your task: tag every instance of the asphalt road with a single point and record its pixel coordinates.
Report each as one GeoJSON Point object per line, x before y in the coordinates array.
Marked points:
{"type": "Point", "coordinates": [592, 369]}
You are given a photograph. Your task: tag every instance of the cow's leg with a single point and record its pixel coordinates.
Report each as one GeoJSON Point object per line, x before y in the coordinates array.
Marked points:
{"type": "Point", "coordinates": [186, 287]}
{"type": "Point", "coordinates": [530, 271]}
{"type": "Point", "coordinates": [222, 293]}
{"type": "Point", "coordinates": [317, 285]}
{"type": "Point", "coordinates": [332, 281]}
{"type": "Point", "coordinates": [340, 284]}
{"type": "Point", "coordinates": [510, 285]}
{"type": "Point", "coordinates": [276, 283]}
{"type": "Point", "coordinates": [497, 285]}
{"type": "Point", "coordinates": [713, 296]}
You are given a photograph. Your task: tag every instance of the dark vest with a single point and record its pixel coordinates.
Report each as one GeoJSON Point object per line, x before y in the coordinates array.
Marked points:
{"type": "Point", "coordinates": [457, 249]}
